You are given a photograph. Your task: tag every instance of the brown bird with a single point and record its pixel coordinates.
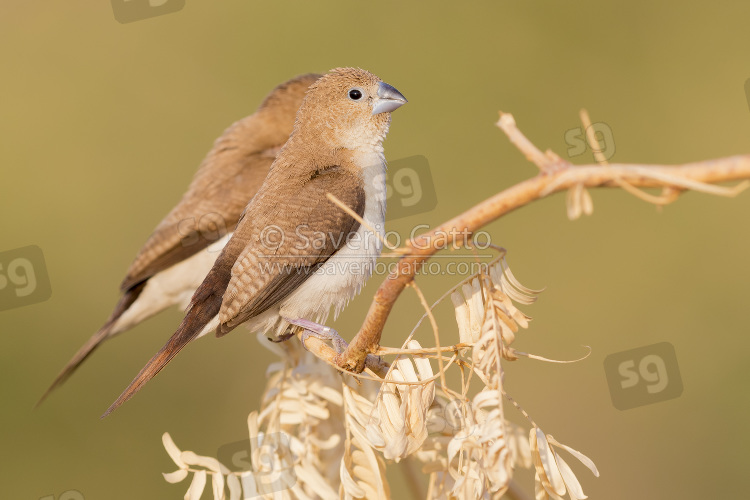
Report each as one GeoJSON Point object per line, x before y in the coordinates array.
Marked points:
{"type": "Point", "coordinates": [295, 254]}
{"type": "Point", "coordinates": [184, 246]}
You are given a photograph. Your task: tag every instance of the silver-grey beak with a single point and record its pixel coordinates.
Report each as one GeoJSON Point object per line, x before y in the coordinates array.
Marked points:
{"type": "Point", "coordinates": [388, 100]}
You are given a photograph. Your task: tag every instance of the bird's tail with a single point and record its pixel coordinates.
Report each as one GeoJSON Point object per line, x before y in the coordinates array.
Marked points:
{"type": "Point", "coordinates": [95, 341]}
{"type": "Point", "coordinates": [204, 307]}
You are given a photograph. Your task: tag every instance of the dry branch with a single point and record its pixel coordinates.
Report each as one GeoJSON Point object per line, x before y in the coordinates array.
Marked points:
{"type": "Point", "coordinates": [555, 175]}
{"type": "Point", "coordinates": [340, 431]}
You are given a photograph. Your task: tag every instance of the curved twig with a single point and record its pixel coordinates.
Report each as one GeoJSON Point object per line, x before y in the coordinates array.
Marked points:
{"type": "Point", "coordinates": [555, 175]}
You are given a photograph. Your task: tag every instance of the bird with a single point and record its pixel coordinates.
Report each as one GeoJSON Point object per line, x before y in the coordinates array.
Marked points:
{"type": "Point", "coordinates": [183, 247]}
{"type": "Point", "coordinates": [295, 254]}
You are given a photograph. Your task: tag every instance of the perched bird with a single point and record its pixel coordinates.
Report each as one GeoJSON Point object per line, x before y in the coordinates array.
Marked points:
{"type": "Point", "coordinates": [184, 246]}
{"type": "Point", "coordinates": [295, 253]}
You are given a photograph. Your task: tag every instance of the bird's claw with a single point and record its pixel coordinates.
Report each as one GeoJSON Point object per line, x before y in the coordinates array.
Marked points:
{"type": "Point", "coordinates": [322, 332]}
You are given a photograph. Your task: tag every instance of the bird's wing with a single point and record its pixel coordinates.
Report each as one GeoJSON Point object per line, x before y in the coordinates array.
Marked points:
{"type": "Point", "coordinates": [283, 252]}
{"type": "Point", "coordinates": [308, 203]}
{"type": "Point", "coordinates": [229, 176]}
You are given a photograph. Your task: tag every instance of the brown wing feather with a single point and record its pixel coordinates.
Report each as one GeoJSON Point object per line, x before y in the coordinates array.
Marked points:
{"type": "Point", "coordinates": [290, 277]}
{"type": "Point", "coordinates": [230, 175]}
{"type": "Point", "coordinates": [312, 209]}
{"type": "Point", "coordinates": [263, 276]}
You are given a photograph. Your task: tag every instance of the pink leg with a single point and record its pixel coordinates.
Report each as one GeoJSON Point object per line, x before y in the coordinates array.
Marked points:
{"type": "Point", "coordinates": [313, 329]}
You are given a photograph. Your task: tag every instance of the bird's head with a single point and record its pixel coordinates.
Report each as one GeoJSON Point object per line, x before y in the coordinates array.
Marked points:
{"type": "Point", "coordinates": [348, 107]}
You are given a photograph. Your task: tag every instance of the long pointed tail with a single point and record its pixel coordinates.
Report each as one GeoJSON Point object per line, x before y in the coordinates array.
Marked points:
{"type": "Point", "coordinates": [204, 308]}
{"type": "Point", "coordinates": [95, 341]}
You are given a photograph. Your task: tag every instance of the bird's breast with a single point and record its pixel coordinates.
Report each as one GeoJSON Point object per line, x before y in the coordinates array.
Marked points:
{"type": "Point", "coordinates": [346, 271]}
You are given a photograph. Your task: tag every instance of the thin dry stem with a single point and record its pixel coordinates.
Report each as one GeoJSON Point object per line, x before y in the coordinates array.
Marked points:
{"type": "Point", "coordinates": [668, 196]}
{"type": "Point", "coordinates": [591, 137]}
{"type": "Point", "coordinates": [433, 323]}
{"type": "Point", "coordinates": [343, 206]}
{"type": "Point", "coordinates": [698, 176]}
{"type": "Point", "coordinates": [383, 351]}
{"type": "Point", "coordinates": [508, 125]}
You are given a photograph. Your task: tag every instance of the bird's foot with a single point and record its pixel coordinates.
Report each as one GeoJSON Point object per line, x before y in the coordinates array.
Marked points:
{"type": "Point", "coordinates": [322, 332]}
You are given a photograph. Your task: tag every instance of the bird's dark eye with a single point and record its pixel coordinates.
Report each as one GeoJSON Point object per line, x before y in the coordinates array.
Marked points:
{"type": "Point", "coordinates": [355, 94]}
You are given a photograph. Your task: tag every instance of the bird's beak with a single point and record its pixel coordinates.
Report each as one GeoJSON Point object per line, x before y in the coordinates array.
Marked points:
{"type": "Point", "coordinates": [388, 100]}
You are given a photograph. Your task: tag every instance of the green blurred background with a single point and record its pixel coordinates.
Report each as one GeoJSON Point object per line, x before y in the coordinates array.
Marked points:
{"type": "Point", "coordinates": [103, 125]}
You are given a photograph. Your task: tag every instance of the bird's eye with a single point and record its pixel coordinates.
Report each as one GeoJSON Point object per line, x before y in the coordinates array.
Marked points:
{"type": "Point", "coordinates": [355, 94]}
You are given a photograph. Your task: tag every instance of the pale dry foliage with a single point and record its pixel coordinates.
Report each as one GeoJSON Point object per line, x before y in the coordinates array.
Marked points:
{"type": "Point", "coordinates": [323, 433]}
{"type": "Point", "coordinates": [319, 434]}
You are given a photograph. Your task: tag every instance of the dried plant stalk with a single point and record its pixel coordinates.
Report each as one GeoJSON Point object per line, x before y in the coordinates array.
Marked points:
{"type": "Point", "coordinates": [321, 433]}
{"type": "Point", "coordinates": [555, 175]}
